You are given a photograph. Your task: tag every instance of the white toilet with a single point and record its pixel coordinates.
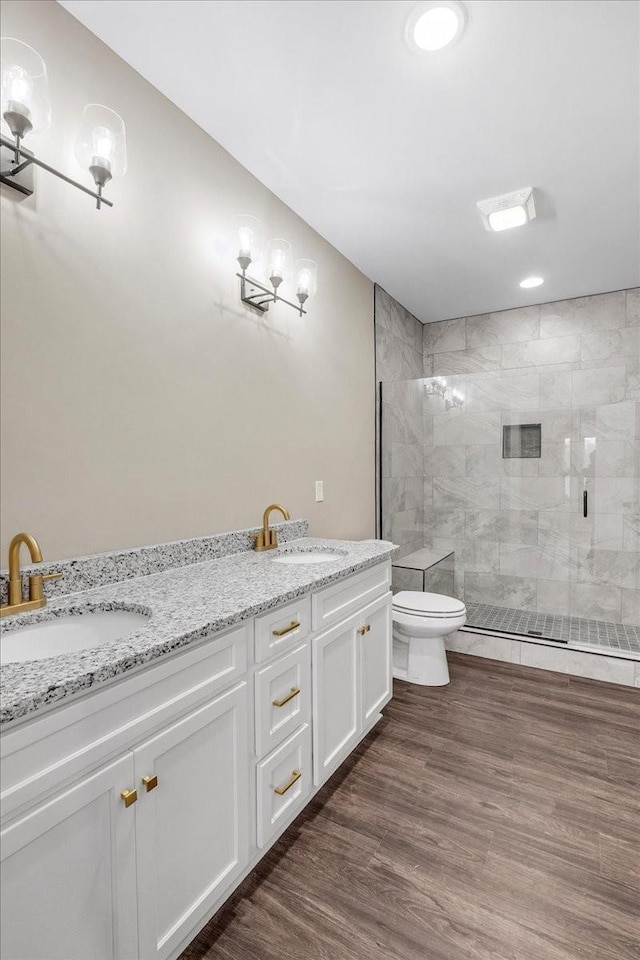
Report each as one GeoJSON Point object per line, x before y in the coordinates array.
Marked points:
{"type": "Point", "coordinates": [421, 621]}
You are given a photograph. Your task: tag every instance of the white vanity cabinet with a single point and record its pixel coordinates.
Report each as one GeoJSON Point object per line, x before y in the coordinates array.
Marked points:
{"type": "Point", "coordinates": [128, 861]}
{"type": "Point", "coordinates": [192, 824]}
{"type": "Point", "coordinates": [376, 656]}
{"type": "Point", "coordinates": [351, 683]}
{"type": "Point", "coordinates": [130, 814]}
{"type": "Point", "coordinates": [283, 717]}
{"type": "Point", "coordinates": [69, 874]}
{"type": "Point", "coordinates": [134, 854]}
{"type": "Point", "coordinates": [336, 697]}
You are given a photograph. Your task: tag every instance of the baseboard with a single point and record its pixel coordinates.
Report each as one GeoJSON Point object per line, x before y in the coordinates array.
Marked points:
{"type": "Point", "coordinates": [546, 656]}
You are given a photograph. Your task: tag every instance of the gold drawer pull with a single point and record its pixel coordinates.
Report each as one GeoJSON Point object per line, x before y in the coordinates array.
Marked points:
{"type": "Point", "coordinates": [150, 783]}
{"type": "Point", "coordinates": [292, 626]}
{"type": "Point", "coordinates": [129, 797]}
{"type": "Point", "coordinates": [295, 776]}
{"type": "Point", "coordinates": [294, 693]}
{"type": "Point", "coordinates": [364, 629]}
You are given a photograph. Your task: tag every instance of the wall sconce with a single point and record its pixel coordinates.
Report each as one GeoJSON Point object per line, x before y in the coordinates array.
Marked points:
{"type": "Point", "coordinates": [277, 267]}
{"type": "Point", "coordinates": [306, 279]}
{"type": "Point", "coordinates": [101, 144]}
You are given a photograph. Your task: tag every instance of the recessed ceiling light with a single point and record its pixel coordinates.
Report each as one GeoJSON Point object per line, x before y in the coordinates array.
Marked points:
{"type": "Point", "coordinates": [435, 24]}
{"type": "Point", "coordinates": [531, 282]}
{"type": "Point", "coordinates": [508, 210]}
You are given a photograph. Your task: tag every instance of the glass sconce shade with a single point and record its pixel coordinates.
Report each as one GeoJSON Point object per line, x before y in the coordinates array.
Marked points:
{"type": "Point", "coordinates": [249, 230]}
{"type": "Point", "coordinates": [278, 261]}
{"type": "Point", "coordinates": [306, 279]}
{"type": "Point", "coordinates": [101, 146]}
{"type": "Point", "coordinates": [25, 88]}
{"type": "Point", "coordinates": [275, 265]}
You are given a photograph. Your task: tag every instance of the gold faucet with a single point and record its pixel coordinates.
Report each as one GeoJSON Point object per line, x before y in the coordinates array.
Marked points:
{"type": "Point", "coordinates": [268, 539]}
{"type": "Point", "coordinates": [17, 603]}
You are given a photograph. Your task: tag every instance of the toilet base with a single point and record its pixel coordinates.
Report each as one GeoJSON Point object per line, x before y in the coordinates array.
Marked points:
{"type": "Point", "coordinates": [425, 659]}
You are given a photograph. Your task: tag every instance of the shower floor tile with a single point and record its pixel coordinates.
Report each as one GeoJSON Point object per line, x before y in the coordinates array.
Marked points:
{"type": "Point", "coordinates": [569, 630]}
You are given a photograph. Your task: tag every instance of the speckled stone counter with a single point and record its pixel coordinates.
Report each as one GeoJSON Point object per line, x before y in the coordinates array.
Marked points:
{"type": "Point", "coordinates": [184, 604]}
{"type": "Point", "coordinates": [83, 573]}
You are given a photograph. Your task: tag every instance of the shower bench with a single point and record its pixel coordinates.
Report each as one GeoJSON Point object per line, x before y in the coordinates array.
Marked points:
{"type": "Point", "coordinates": [427, 569]}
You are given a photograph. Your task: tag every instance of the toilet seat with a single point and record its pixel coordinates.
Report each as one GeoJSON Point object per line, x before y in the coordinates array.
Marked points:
{"type": "Point", "coordinates": [428, 605]}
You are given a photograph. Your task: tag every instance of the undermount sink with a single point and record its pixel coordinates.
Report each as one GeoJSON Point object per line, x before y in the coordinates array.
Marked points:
{"type": "Point", "coordinates": [79, 631]}
{"type": "Point", "coordinates": [307, 557]}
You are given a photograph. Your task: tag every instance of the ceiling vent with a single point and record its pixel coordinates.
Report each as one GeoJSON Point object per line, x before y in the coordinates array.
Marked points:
{"type": "Point", "coordinates": [508, 210]}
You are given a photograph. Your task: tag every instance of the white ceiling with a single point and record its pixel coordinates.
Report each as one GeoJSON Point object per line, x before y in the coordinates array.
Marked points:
{"type": "Point", "coordinates": [386, 152]}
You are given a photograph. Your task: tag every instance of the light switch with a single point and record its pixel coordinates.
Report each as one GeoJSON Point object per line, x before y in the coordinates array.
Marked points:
{"type": "Point", "coordinates": [319, 491]}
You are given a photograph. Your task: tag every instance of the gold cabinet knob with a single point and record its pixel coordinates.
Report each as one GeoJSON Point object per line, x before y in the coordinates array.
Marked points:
{"type": "Point", "coordinates": [362, 631]}
{"type": "Point", "coordinates": [129, 797]}
{"type": "Point", "coordinates": [150, 783]}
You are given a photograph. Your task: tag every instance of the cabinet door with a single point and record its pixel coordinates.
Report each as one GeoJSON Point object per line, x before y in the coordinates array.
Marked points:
{"type": "Point", "coordinates": [375, 659]}
{"type": "Point", "coordinates": [336, 697]}
{"type": "Point", "coordinates": [69, 875]}
{"type": "Point", "coordinates": [193, 822]}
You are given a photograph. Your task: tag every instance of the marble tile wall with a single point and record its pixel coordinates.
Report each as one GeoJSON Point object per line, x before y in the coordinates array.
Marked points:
{"type": "Point", "coordinates": [400, 462]}
{"type": "Point", "coordinates": [517, 526]}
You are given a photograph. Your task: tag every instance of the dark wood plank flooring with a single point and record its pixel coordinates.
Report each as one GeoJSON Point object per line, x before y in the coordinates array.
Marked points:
{"type": "Point", "coordinates": [497, 818]}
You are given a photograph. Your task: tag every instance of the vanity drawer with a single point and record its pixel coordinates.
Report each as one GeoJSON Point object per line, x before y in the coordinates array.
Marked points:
{"type": "Point", "coordinates": [347, 596]}
{"type": "Point", "coordinates": [284, 780]}
{"type": "Point", "coordinates": [283, 698]}
{"type": "Point", "coordinates": [280, 629]}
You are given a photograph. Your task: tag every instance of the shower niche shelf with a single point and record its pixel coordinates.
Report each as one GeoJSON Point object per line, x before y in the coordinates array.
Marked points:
{"type": "Point", "coordinates": [521, 441]}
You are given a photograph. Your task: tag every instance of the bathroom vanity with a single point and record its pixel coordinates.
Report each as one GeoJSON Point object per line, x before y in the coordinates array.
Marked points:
{"type": "Point", "coordinates": [132, 810]}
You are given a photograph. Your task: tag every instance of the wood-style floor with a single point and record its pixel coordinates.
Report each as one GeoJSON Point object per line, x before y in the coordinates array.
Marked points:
{"type": "Point", "coordinates": [497, 818]}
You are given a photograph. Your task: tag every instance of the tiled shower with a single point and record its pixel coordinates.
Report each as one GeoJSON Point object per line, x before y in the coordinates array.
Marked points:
{"type": "Point", "coordinates": [569, 372]}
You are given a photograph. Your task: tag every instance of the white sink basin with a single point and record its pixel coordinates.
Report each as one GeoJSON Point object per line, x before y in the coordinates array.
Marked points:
{"type": "Point", "coordinates": [79, 631]}
{"type": "Point", "coordinates": [307, 557]}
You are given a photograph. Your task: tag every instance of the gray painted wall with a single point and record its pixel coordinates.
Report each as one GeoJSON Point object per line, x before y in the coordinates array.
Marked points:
{"type": "Point", "coordinates": [141, 401]}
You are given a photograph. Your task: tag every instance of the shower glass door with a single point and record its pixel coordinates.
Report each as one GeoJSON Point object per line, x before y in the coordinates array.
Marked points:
{"type": "Point", "coordinates": [531, 479]}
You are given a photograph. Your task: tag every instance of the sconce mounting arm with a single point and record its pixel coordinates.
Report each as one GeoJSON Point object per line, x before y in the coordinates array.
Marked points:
{"type": "Point", "coordinates": [256, 295]}
{"type": "Point", "coordinates": [7, 176]}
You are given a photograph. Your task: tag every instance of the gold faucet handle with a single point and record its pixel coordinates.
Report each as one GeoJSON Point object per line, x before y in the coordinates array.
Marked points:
{"type": "Point", "coordinates": [36, 584]}
{"type": "Point", "coordinates": [270, 542]}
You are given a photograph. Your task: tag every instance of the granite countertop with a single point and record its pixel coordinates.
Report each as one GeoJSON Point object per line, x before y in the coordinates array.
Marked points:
{"type": "Point", "coordinates": [184, 604]}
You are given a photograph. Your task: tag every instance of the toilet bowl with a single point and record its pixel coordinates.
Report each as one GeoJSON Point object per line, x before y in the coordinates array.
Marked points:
{"type": "Point", "coordinates": [421, 621]}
